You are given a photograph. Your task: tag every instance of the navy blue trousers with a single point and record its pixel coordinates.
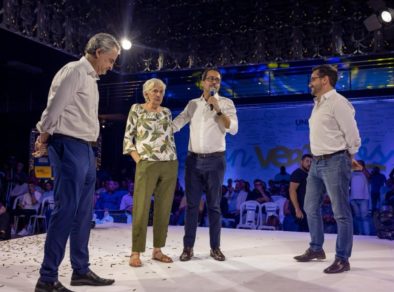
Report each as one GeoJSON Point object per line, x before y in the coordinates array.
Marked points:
{"type": "Point", "coordinates": [203, 175]}
{"type": "Point", "coordinates": [74, 167]}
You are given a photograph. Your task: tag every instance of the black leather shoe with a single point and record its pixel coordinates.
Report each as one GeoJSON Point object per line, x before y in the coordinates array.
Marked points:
{"type": "Point", "coordinates": [90, 279]}
{"type": "Point", "coordinates": [217, 254]}
{"type": "Point", "coordinates": [50, 287]}
{"type": "Point", "coordinates": [338, 266]}
{"type": "Point", "coordinates": [187, 254]}
{"type": "Point", "coordinates": [309, 255]}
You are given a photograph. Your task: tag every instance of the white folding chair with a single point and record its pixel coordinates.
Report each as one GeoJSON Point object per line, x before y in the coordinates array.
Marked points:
{"type": "Point", "coordinates": [249, 215]}
{"type": "Point", "coordinates": [281, 205]}
{"type": "Point", "coordinates": [14, 206]}
{"type": "Point", "coordinates": [267, 210]}
{"type": "Point", "coordinates": [40, 215]}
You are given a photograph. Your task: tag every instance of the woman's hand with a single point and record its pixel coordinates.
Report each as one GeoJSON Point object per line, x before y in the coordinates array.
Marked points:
{"type": "Point", "coordinates": [136, 157]}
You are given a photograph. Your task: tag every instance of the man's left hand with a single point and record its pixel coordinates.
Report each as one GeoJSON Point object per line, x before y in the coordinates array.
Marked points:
{"type": "Point", "coordinates": [40, 148]}
{"type": "Point", "coordinates": [356, 165]}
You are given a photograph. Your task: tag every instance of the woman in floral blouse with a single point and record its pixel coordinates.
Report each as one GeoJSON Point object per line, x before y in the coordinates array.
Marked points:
{"type": "Point", "coordinates": [149, 140]}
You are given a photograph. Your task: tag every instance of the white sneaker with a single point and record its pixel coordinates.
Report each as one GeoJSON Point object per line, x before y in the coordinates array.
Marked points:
{"type": "Point", "coordinates": [23, 232]}
{"type": "Point", "coordinates": [13, 232]}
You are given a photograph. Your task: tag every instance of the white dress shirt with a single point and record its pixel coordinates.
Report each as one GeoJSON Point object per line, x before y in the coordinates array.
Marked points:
{"type": "Point", "coordinates": [207, 133]}
{"type": "Point", "coordinates": [27, 202]}
{"type": "Point", "coordinates": [72, 107]}
{"type": "Point", "coordinates": [126, 202]}
{"type": "Point", "coordinates": [333, 126]}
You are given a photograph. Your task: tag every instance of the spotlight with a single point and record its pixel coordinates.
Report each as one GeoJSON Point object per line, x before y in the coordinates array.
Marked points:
{"type": "Point", "coordinates": [382, 18]}
{"type": "Point", "coordinates": [372, 23]}
{"type": "Point", "coordinates": [386, 16]}
{"type": "Point", "coordinates": [126, 44]}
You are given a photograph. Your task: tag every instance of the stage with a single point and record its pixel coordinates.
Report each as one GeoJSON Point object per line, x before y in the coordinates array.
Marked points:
{"type": "Point", "coordinates": [256, 261]}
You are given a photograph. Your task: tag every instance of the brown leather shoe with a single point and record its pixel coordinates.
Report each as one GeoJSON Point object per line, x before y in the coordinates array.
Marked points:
{"type": "Point", "coordinates": [217, 254]}
{"type": "Point", "coordinates": [309, 255]}
{"type": "Point", "coordinates": [338, 266]}
{"type": "Point", "coordinates": [187, 254]}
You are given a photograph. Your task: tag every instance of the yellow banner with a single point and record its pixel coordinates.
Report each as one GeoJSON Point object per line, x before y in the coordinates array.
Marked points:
{"type": "Point", "coordinates": [43, 171]}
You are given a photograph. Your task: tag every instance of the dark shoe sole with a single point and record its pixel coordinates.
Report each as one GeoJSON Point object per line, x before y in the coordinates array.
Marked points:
{"type": "Point", "coordinates": [310, 259]}
{"type": "Point", "coordinates": [41, 290]}
{"type": "Point", "coordinates": [89, 283]}
{"type": "Point", "coordinates": [217, 259]}
{"type": "Point", "coordinates": [46, 289]}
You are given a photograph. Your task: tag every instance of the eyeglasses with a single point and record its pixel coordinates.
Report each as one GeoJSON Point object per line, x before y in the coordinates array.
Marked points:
{"type": "Point", "coordinates": [211, 79]}
{"type": "Point", "coordinates": [315, 77]}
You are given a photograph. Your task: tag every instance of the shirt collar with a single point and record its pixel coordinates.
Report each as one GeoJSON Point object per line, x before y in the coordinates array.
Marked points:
{"type": "Point", "coordinates": [203, 99]}
{"type": "Point", "coordinates": [89, 68]}
{"type": "Point", "coordinates": [325, 96]}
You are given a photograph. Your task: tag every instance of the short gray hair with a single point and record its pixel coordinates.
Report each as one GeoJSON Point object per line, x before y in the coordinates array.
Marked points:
{"type": "Point", "coordinates": [149, 84]}
{"type": "Point", "coordinates": [103, 41]}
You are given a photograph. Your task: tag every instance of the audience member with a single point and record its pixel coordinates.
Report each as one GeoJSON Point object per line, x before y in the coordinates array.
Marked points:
{"type": "Point", "coordinates": [297, 190]}
{"type": "Point", "coordinates": [48, 194]}
{"type": "Point", "coordinates": [282, 176]}
{"type": "Point", "coordinates": [389, 197]}
{"type": "Point", "coordinates": [235, 199]}
{"type": "Point", "coordinates": [110, 199]}
{"type": "Point", "coordinates": [259, 192]}
{"type": "Point", "coordinates": [230, 185]}
{"type": "Point", "coordinates": [377, 181]}
{"type": "Point", "coordinates": [359, 199]}
{"type": "Point", "coordinates": [27, 207]}
{"type": "Point", "coordinates": [126, 203]}
{"type": "Point", "coordinates": [19, 188]}
{"type": "Point", "coordinates": [272, 187]}
{"type": "Point", "coordinates": [5, 227]}
{"type": "Point", "coordinates": [50, 200]}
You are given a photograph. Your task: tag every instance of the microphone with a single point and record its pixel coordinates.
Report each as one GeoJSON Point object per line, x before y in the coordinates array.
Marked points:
{"type": "Point", "coordinates": [212, 92]}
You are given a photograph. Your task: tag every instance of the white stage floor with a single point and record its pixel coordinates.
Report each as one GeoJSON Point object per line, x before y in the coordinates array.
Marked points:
{"type": "Point", "coordinates": [256, 261]}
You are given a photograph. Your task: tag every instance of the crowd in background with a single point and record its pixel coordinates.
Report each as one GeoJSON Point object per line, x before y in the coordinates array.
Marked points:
{"type": "Point", "coordinates": [24, 196]}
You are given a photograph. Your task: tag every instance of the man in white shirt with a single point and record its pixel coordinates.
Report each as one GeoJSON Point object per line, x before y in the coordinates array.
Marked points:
{"type": "Point", "coordinates": [211, 117]}
{"type": "Point", "coordinates": [334, 139]}
{"type": "Point", "coordinates": [126, 204]}
{"type": "Point", "coordinates": [67, 127]}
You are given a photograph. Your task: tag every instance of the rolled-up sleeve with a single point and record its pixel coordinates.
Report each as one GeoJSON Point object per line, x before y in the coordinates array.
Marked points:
{"type": "Point", "coordinates": [230, 111]}
{"type": "Point", "coordinates": [182, 119]}
{"type": "Point", "coordinates": [130, 132]}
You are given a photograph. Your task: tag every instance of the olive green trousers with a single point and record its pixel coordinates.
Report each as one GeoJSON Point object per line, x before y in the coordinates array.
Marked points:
{"type": "Point", "coordinates": [157, 178]}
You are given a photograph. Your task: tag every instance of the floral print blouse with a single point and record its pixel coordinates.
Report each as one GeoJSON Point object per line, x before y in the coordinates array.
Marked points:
{"type": "Point", "coordinates": [150, 134]}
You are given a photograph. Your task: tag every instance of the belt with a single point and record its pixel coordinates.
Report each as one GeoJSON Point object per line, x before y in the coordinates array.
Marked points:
{"type": "Point", "coordinates": [206, 155]}
{"type": "Point", "coordinates": [56, 135]}
{"type": "Point", "coordinates": [328, 156]}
